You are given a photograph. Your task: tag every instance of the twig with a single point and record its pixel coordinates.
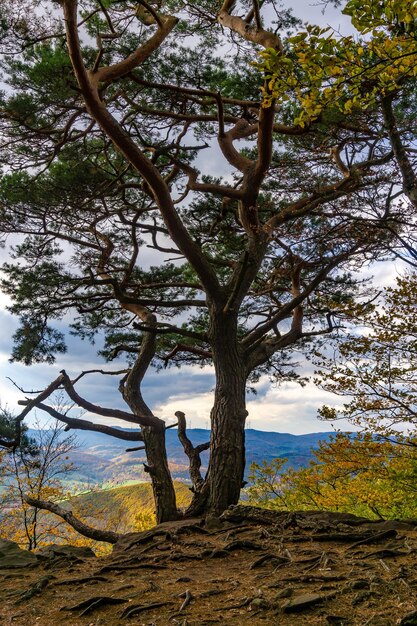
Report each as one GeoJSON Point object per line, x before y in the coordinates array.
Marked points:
{"type": "Point", "coordinates": [188, 597]}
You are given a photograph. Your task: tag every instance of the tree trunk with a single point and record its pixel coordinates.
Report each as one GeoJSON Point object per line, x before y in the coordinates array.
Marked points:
{"type": "Point", "coordinates": [227, 459]}
{"type": "Point", "coordinates": [224, 477]}
{"type": "Point", "coordinates": [153, 435]}
{"type": "Point", "coordinates": [157, 467]}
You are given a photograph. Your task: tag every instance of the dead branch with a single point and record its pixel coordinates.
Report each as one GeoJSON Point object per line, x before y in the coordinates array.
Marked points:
{"type": "Point", "coordinates": [29, 405]}
{"type": "Point", "coordinates": [81, 424]}
{"type": "Point", "coordinates": [107, 536]}
{"type": "Point", "coordinates": [188, 596]}
{"type": "Point", "coordinates": [192, 452]}
{"type": "Point", "coordinates": [143, 420]}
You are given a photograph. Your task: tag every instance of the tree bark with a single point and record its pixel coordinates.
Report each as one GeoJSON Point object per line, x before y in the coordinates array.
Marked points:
{"type": "Point", "coordinates": [154, 432]}
{"type": "Point", "coordinates": [227, 444]}
{"type": "Point", "coordinates": [157, 467]}
{"type": "Point", "coordinates": [87, 531]}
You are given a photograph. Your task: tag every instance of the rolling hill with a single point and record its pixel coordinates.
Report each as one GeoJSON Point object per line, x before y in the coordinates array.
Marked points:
{"type": "Point", "coordinates": [100, 459]}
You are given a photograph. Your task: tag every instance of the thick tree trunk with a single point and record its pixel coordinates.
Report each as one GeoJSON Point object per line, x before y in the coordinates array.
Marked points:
{"type": "Point", "coordinates": [227, 450]}
{"type": "Point", "coordinates": [224, 477]}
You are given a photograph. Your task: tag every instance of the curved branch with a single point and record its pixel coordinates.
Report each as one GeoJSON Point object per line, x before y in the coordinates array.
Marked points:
{"type": "Point", "coordinates": [88, 84]}
{"type": "Point", "coordinates": [240, 130]}
{"type": "Point", "coordinates": [260, 348]}
{"type": "Point", "coordinates": [182, 347]}
{"type": "Point", "coordinates": [228, 192]}
{"type": "Point", "coordinates": [80, 424]}
{"type": "Point", "coordinates": [407, 172]}
{"type": "Point", "coordinates": [143, 420]}
{"type": "Point", "coordinates": [251, 33]}
{"type": "Point", "coordinates": [321, 196]}
{"type": "Point", "coordinates": [108, 536]}
{"type": "Point", "coordinates": [143, 52]}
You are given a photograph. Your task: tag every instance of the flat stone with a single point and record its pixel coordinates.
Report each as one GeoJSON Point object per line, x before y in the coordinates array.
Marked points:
{"type": "Point", "coordinates": [70, 552]}
{"type": "Point", "coordinates": [284, 593]}
{"type": "Point", "coordinates": [304, 601]}
{"type": "Point", "coordinates": [12, 557]}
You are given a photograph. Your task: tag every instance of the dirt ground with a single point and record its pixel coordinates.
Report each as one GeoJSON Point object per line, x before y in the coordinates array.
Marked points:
{"type": "Point", "coordinates": [250, 567]}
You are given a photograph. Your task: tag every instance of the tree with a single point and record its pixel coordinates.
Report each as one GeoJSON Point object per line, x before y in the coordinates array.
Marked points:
{"type": "Point", "coordinates": [102, 144]}
{"type": "Point", "coordinates": [34, 473]}
{"type": "Point", "coordinates": [10, 432]}
{"type": "Point", "coordinates": [325, 72]}
{"type": "Point", "coordinates": [374, 365]}
{"type": "Point", "coordinates": [357, 474]}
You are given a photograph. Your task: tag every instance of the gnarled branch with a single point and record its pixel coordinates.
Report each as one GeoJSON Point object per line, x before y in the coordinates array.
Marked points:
{"type": "Point", "coordinates": [108, 536]}
{"type": "Point", "coordinates": [192, 452]}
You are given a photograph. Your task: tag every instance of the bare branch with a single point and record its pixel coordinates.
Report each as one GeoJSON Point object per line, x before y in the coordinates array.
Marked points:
{"type": "Point", "coordinates": [81, 424]}
{"type": "Point", "coordinates": [192, 452]}
{"type": "Point", "coordinates": [107, 536]}
{"type": "Point", "coordinates": [29, 405]}
{"type": "Point", "coordinates": [143, 420]}
{"type": "Point", "coordinates": [407, 172]}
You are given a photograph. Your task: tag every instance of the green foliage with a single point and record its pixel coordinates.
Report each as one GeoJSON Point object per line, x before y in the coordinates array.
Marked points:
{"type": "Point", "coordinates": [322, 70]}
{"type": "Point", "coordinates": [8, 432]}
{"type": "Point", "coordinates": [35, 342]}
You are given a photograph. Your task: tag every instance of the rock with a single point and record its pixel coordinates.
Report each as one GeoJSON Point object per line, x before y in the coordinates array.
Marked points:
{"type": "Point", "coordinates": [259, 603]}
{"type": "Point", "coordinates": [69, 552]}
{"type": "Point", "coordinates": [11, 556]}
{"type": "Point", "coordinates": [284, 593]}
{"type": "Point", "coordinates": [304, 601]}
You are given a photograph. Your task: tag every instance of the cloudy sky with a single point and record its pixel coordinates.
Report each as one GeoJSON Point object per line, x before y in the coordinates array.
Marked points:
{"type": "Point", "coordinates": [288, 408]}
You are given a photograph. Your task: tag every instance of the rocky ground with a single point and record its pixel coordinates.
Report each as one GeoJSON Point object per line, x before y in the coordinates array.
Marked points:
{"type": "Point", "coordinates": [250, 567]}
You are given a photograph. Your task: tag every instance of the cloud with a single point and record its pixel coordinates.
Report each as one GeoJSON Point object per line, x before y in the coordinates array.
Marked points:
{"type": "Point", "coordinates": [289, 408]}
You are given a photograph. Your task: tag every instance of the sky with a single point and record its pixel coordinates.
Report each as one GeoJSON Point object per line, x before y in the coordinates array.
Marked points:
{"type": "Point", "coordinates": [287, 408]}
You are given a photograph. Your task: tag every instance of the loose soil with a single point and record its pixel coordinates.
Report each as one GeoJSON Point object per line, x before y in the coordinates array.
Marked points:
{"type": "Point", "coordinates": [250, 566]}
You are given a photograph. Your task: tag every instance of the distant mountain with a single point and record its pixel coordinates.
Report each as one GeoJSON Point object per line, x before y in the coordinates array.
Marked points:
{"type": "Point", "coordinates": [103, 459]}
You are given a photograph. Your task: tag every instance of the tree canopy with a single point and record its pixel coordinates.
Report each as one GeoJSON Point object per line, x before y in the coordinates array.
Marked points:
{"type": "Point", "coordinates": [110, 112]}
{"type": "Point", "coordinates": [373, 365]}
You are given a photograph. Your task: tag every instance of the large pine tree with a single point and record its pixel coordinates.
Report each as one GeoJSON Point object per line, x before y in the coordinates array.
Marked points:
{"type": "Point", "coordinates": [110, 111]}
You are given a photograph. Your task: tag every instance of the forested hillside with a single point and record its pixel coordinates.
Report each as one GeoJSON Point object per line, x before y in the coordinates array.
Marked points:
{"type": "Point", "coordinates": [99, 460]}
